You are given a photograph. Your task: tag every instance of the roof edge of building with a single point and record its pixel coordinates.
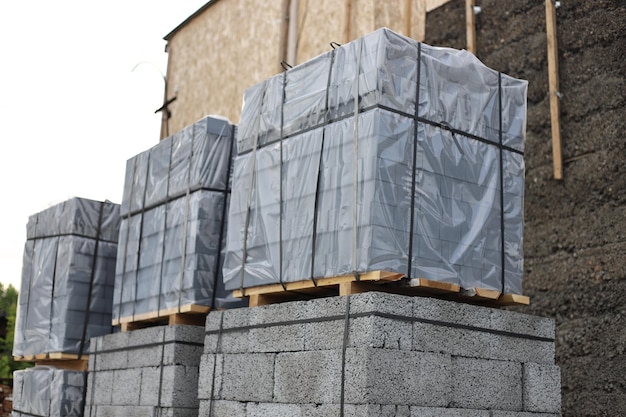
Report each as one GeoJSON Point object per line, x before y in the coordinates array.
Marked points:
{"type": "Point", "coordinates": [190, 18]}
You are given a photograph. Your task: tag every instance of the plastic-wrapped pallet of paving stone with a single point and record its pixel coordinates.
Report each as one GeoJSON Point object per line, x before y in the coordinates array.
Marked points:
{"type": "Point", "coordinates": [173, 224]}
{"type": "Point", "coordinates": [45, 391]}
{"type": "Point", "coordinates": [68, 273]}
{"type": "Point", "coordinates": [437, 192]}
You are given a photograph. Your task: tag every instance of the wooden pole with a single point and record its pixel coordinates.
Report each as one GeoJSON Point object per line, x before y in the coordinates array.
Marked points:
{"type": "Point", "coordinates": [553, 78]}
{"type": "Point", "coordinates": [470, 25]}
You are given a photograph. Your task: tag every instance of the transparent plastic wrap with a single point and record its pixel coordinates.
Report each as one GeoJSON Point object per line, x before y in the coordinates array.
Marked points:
{"type": "Point", "coordinates": [67, 278]}
{"type": "Point", "coordinates": [437, 192]}
{"type": "Point", "coordinates": [170, 250]}
{"type": "Point", "coordinates": [45, 391]}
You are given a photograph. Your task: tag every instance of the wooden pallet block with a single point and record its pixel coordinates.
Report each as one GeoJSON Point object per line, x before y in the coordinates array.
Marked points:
{"type": "Point", "coordinates": [69, 361]}
{"type": "Point", "coordinates": [191, 314]}
{"type": "Point", "coordinates": [383, 281]}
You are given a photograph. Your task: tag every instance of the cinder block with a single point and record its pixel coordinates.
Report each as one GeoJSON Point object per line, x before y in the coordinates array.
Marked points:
{"type": "Point", "coordinates": [451, 312]}
{"type": "Point", "coordinates": [184, 333]}
{"type": "Point", "coordinates": [235, 318]}
{"type": "Point", "coordinates": [111, 342]}
{"type": "Point", "coordinates": [320, 410]}
{"type": "Point", "coordinates": [511, 321]}
{"type": "Point", "coordinates": [178, 412]}
{"type": "Point", "coordinates": [386, 376]}
{"type": "Point", "coordinates": [382, 303]}
{"type": "Point", "coordinates": [542, 388]}
{"type": "Point", "coordinates": [150, 382]}
{"type": "Point", "coordinates": [451, 341]}
{"type": "Point", "coordinates": [122, 411]}
{"type": "Point", "coordinates": [182, 354]}
{"type": "Point", "coordinates": [146, 337]}
{"type": "Point", "coordinates": [486, 384]}
{"type": "Point", "coordinates": [447, 412]}
{"type": "Point", "coordinates": [111, 361]}
{"type": "Point", "coordinates": [395, 411]}
{"type": "Point", "coordinates": [100, 387]}
{"type": "Point", "coordinates": [145, 356]}
{"type": "Point", "coordinates": [521, 414]}
{"type": "Point", "coordinates": [380, 332]}
{"type": "Point", "coordinates": [519, 349]}
{"type": "Point", "coordinates": [362, 410]}
{"type": "Point", "coordinates": [179, 387]}
{"type": "Point", "coordinates": [273, 410]}
{"type": "Point", "coordinates": [324, 307]}
{"type": "Point", "coordinates": [126, 386]}
{"type": "Point", "coordinates": [287, 338]}
{"type": "Point", "coordinates": [229, 342]}
{"type": "Point", "coordinates": [246, 377]}
{"type": "Point", "coordinates": [308, 377]}
{"type": "Point", "coordinates": [277, 313]}
{"type": "Point", "coordinates": [209, 374]}
{"type": "Point", "coordinates": [323, 335]}
{"type": "Point", "coordinates": [220, 408]}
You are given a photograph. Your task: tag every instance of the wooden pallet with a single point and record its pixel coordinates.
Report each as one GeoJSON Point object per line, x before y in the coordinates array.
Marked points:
{"type": "Point", "coordinates": [384, 281]}
{"type": "Point", "coordinates": [189, 314]}
{"type": "Point", "coordinates": [69, 361]}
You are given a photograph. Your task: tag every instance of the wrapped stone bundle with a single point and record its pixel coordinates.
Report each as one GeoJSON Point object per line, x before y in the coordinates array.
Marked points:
{"type": "Point", "coordinates": [66, 292]}
{"type": "Point", "coordinates": [173, 224]}
{"type": "Point", "coordinates": [437, 190]}
{"type": "Point", "coordinates": [45, 391]}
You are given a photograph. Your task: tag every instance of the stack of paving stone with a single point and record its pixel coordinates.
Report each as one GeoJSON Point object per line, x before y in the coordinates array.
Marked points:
{"type": "Point", "coordinates": [45, 391]}
{"type": "Point", "coordinates": [376, 354]}
{"type": "Point", "coordinates": [146, 372]}
{"type": "Point", "coordinates": [68, 276]}
{"type": "Point", "coordinates": [437, 191]}
{"type": "Point", "coordinates": [173, 222]}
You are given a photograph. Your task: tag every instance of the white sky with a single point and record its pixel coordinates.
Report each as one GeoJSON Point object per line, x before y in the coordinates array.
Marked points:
{"type": "Point", "coordinates": [72, 111]}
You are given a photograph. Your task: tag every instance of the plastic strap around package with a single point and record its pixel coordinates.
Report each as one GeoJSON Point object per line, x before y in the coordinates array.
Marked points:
{"type": "Point", "coordinates": [54, 278]}
{"type": "Point", "coordinates": [91, 280]}
{"type": "Point", "coordinates": [183, 257]}
{"type": "Point", "coordinates": [216, 275]}
{"type": "Point", "coordinates": [344, 348]}
{"type": "Point", "coordinates": [255, 146]}
{"type": "Point", "coordinates": [502, 246]}
{"type": "Point", "coordinates": [355, 163]}
{"type": "Point", "coordinates": [30, 281]}
{"type": "Point", "coordinates": [319, 171]}
{"type": "Point", "coordinates": [218, 348]}
{"type": "Point", "coordinates": [165, 206]}
{"type": "Point", "coordinates": [414, 167]}
{"type": "Point", "coordinates": [280, 187]}
{"type": "Point", "coordinates": [161, 366]}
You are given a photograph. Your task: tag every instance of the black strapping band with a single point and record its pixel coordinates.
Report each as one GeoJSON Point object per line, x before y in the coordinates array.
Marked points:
{"type": "Point", "coordinates": [344, 347]}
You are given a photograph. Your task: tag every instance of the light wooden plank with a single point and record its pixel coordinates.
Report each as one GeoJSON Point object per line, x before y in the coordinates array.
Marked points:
{"type": "Point", "coordinates": [553, 79]}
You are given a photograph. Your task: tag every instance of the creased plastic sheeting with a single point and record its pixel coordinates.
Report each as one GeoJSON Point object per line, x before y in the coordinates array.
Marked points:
{"type": "Point", "coordinates": [45, 391]}
{"type": "Point", "coordinates": [169, 254]}
{"type": "Point", "coordinates": [66, 292]}
{"type": "Point", "coordinates": [467, 208]}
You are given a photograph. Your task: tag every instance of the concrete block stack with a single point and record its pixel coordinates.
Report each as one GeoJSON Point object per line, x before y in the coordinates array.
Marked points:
{"type": "Point", "coordinates": [173, 211]}
{"type": "Point", "coordinates": [382, 154]}
{"type": "Point", "coordinates": [377, 354]}
{"type": "Point", "coordinates": [145, 373]}
{"type": "Point", "coordinates": [45, 391]}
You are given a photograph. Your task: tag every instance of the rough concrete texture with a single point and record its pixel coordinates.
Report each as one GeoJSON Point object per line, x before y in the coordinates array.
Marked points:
{"type": "Point", "coordinates": [404, 356]}
{"type": "Point", "coordinates": [137, 372]}
{"type": "Point", "coordinates": [541, 391]}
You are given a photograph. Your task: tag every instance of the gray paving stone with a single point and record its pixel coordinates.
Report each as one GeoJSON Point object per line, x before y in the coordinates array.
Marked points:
{"type": "Point", "coordinates": [308, 377]}
{"type": "Point", "coordinates": [486, 384]}
{"type": "Point", "coordinates": [542, 388]}
{"type": "Point", "coordinates": [386, 376]}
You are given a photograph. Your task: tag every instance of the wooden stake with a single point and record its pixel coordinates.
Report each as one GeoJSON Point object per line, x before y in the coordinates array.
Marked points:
{"type": "Point", "coordinates": [470, 25]}
{"type": "Point", "coordinates": [553, 78]}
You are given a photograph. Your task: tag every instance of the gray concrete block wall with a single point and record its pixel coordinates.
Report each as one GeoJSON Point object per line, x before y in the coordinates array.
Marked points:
{"type": "Point", "coordinates": [404, 356]}
{"type": "Point", "coordinates": [147, 371]}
